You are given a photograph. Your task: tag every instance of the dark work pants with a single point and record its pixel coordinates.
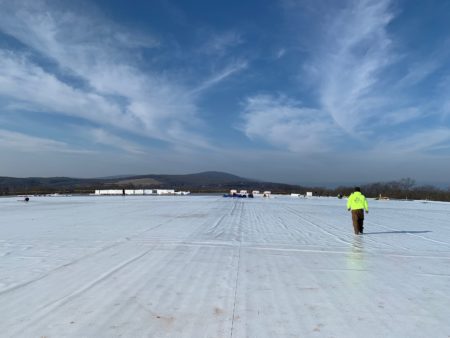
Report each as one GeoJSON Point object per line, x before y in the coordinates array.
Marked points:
{"type": "Point", "coordinates": [358, 220]}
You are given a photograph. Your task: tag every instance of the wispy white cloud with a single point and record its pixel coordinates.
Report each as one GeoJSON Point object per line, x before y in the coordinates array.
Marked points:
{"type": "Point", "coordinates": [343, 71]}
{"type": "Point", "coordinates": [219, 44]}
{"type": "Point", "coordinates": [352, 71]}
{"type": "Point", "coordinates": [421, 67]}
{"type": "Point", "coordinates": [417, 142]}
{"type": "Point", "coordinates": [25, 143]}
{"type": "Point", "coordinates": [104, 137]}
{"type": "Point", "coordinates": [35, 89]}
{"type": "Point", "coordinates": [223, 62]}
{"type": "Point", "coordinates": [400, 116]}
{"type": "Point", "coordinates": [100, 54]}
{"type": "Point", "coordinates": [226, 72]}
{"type": "Point", "coordinates": [280, 53]}
{"type": "Point", "coordinates": [356, 99]}
{"type": "Point", "coordinates": [285, 123]}
{"type": "Point", "coordinates": [356, 48]}
{"type": "Point", "coordinates": [419, 71]}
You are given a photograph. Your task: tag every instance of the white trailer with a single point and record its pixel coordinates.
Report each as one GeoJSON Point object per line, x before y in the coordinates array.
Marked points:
{"type": "Point", "coordinates": [165, 191]}
{"type": "Point", "coordinates": [267, 193]}
{"type": "Point", "coordinates": [108, 192]}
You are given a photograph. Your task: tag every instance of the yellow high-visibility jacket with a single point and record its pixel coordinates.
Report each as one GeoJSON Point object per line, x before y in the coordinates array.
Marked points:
{"type": "Point", "coordinates": [357, 201]}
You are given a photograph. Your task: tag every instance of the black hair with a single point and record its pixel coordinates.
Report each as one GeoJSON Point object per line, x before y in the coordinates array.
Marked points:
{"type": "Point", "coordinates": [357, 189]}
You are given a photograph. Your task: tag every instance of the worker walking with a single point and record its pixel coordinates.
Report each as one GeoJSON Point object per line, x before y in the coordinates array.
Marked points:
{"type": "Point", "coordinates": [357, 203]}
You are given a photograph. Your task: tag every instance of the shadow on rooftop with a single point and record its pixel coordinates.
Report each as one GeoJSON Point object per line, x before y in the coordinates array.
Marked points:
{"type": "Point", "coordinates": [397, 232]}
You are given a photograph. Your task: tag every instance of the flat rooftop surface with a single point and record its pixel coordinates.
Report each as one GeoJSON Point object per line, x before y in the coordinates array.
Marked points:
{"type": "Point", "coordinates": [207, 266]}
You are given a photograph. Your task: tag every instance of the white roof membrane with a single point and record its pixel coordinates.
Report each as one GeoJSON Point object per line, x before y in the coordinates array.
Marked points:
{"type": "Point", "coordinates": [220, 267]}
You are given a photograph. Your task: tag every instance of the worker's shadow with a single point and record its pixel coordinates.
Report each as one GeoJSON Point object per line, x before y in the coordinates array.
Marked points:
{"type": "Point", "coordinates": [397, 232]}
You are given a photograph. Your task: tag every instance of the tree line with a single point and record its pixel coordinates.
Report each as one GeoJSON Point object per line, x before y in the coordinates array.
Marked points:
{"type": "Point", "coordinates": [404, 188]}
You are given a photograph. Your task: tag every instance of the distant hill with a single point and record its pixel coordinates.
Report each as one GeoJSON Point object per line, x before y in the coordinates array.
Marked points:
{"type": "Point", "coordinates": [210, 181]}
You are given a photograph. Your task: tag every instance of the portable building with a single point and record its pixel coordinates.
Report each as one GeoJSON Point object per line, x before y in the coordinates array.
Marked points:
{"type": "Point", "coordinates": [165, 191]}
{"type": "Point", "coordinates": [108, 192]}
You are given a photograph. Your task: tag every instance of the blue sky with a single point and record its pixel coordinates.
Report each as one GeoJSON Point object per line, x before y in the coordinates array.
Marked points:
{"type": "Point", "coordinates": [290, 91]}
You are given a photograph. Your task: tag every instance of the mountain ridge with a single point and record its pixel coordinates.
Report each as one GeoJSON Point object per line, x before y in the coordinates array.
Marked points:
{"type": "Point", "coordinates": [207, 181]}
